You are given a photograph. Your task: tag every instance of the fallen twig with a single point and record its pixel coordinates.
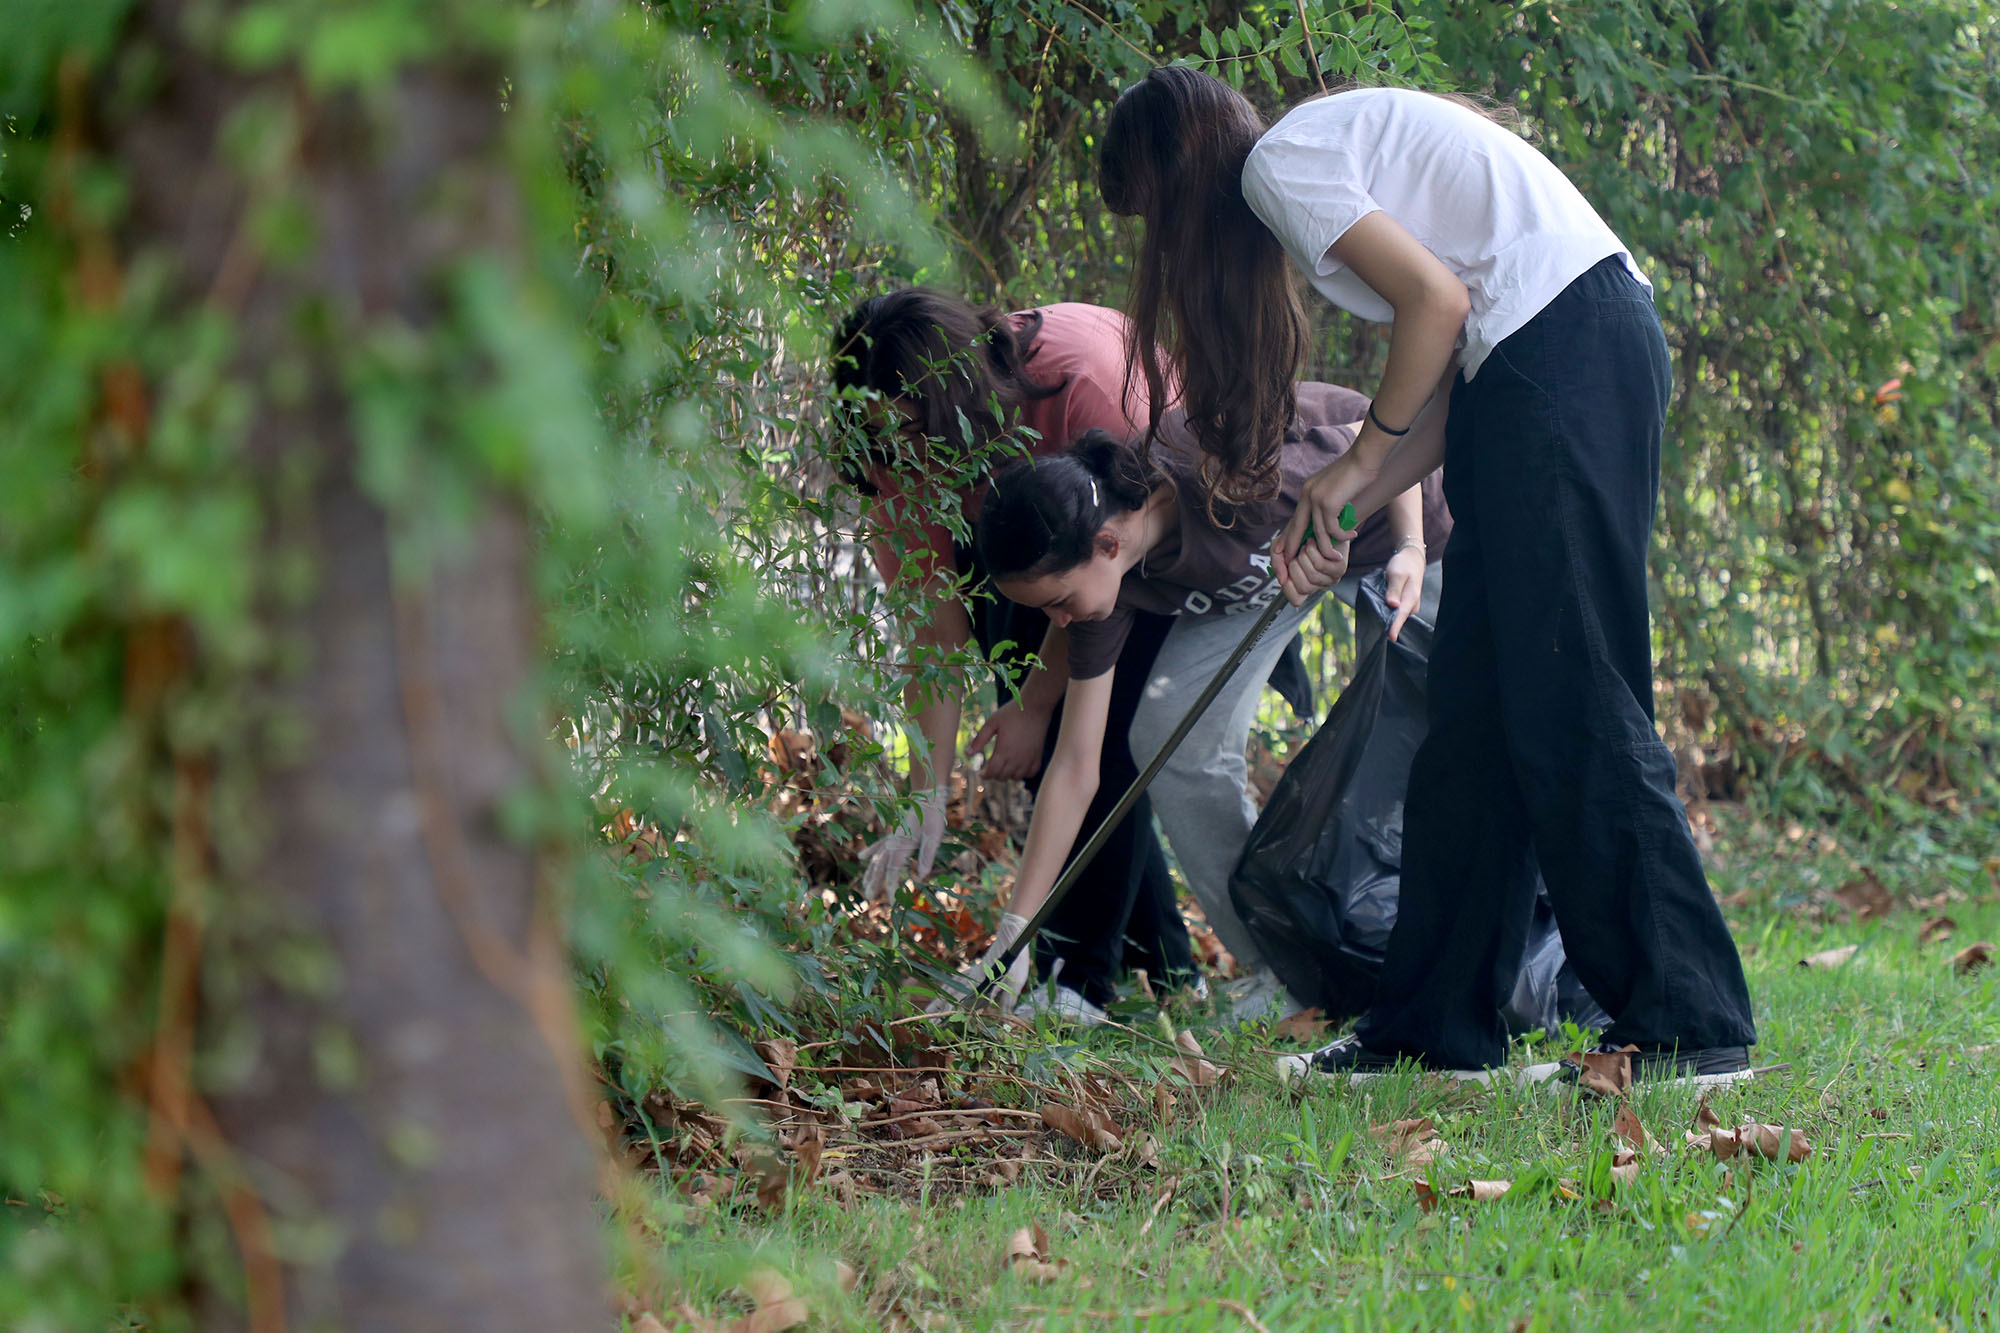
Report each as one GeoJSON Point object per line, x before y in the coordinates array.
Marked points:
{"type": "Point", "coordinates": [1237, 1308]}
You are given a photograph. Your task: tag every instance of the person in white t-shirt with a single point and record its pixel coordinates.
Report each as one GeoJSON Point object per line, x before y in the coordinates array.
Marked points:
{"type": "Point", "coordinates": [1518, 313]}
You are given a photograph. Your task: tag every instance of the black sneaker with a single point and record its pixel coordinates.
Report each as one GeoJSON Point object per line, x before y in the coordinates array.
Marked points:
{"type": "Point", "coordinates": [1699, 1067]}
{"type": "Point", "coordinates": [1347, 1061]}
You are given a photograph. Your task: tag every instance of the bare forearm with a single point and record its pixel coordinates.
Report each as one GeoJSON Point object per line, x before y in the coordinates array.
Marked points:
{"type": "Point", "coordinates": [1422, 345]}
{"type": "Point", "coordinates": [1399, 464]}
{"type": "Point", "coordinates": [1066, 792]}
{"type": "Point", "coordinates": [1406, 516]}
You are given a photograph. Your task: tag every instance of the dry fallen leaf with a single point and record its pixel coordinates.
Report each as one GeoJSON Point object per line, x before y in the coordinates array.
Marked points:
{"type": "Point", "coordinates": [1163, 1104]}
{"type": "Point", "coordinates": [1937, 928]}
{"type": "Point", "coordinates": [846, 1274]}
{"type": "Point", "coordinates": [646, 1323]}
{"type": "Point", "coordinates": [809, 1145]}
{"type": "Point", "coordinates": [1625, 1167]}
{"type": "Point", "coordinates": [1704, 1115]}
{"type": "Point", "coordinates": [1606, 1073]}
{"type": "Point", "coordinates": [776, 1307]}
{"type": "Point", "coordinates": [1830, 957]}
{"type": "Point", "coordinates": [1482, 1190]}
{"type": "Point", "coordinates": [1093, 1129]}
{"type": "Point", "coordinates": [1191, 1064]}
{"type": "Point", "coordinates": [1865, 897]}
{"type": "Point", "coordinates": [1412, 1142]}
{"type": "Point", "coordinates": [1774, 1143]}
{"type": "Point", "coordinates": [1971, 958]}
{"type": "Point", "coordinates": [1028, 1256]}
{"type": "Point", "coordinates": [772, 1175]}
{"type": "Point", "coordinates": [1308, 1025]}
{"type": "Point", "coordinates": [1627, 1127]}
{"type": "Point", "coordinates": [1478, 1190]}
{"type": "Point", "coordinates": [782, 1055]}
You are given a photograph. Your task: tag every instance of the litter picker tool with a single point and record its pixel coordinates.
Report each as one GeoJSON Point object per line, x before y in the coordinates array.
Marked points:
{"type": "Point", "coordinates": [1089, 850]}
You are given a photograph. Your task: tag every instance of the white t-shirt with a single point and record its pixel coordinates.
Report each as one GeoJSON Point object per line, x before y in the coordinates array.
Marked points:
{"type": "Point", "coordinates": [1499, 214]}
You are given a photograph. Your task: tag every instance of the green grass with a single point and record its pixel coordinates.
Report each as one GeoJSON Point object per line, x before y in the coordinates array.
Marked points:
{"type": "Point", "coordinates": [1288, 1209]}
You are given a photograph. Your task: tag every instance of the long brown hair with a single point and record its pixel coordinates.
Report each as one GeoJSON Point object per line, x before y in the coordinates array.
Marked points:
{"type": "Point", "coordinates": [944, 359]}
{"type": "Point", "coordinates": [1213, 286]}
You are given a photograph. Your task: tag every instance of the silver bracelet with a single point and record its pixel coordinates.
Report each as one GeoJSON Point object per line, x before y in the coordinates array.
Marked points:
{"type": "Point", "coordinates": [1408, 542]}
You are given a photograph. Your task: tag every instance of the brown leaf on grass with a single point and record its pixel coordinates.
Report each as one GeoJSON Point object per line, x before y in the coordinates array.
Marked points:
{"type": "Point", "coordinates": [1192, 1064]}
{"type": "Point", "coordinates": [1482, 1191]}
{"type": "Point", "coordinates": [1830, 957]}
{"type": "Point", "coordinates": [1627, 1127]}
{"type": "Point", "coordinates": [776, 1307]}
{"type": "Point", "coordinates": [1773, 1143]}
{"type": "Point", "coordinates": [1939, 927]}
{"type": "Point", "coordinates": [1414, 1142]}
{"type": "Point", "coordinates": [1606, 1073]}
{"type": "Point", "coordinates": [1971, 958]}
{"type": "Point", "coordinates": [1865, 897]}
{"type": "Point", "coordinates": [1625, 1166]}
{"type": "Point", "coordinates": [782, 1055]}
{"type": "Point", "coordinates": [1479, 1191]}
{"type": "Point", "coordinates": [1308, 1025]}
{"type": "Point", "coordinates": [846, 1274]}
{"type": "Point", "coordinates": [1164, 1105]}
{"type": "Point", "coordinates": [1704, 1115]}
{"type": "Point", "coordinates": [1091, 1128]}
{"type": "Point", "coordinates": [1028, 1256]}
{"type": "Point", "coordinates": [646, 1322]}
{"type": "Point", "coordinates": [771, 1174]}
{"type": "Point", "coordinates": [809, 1146]}
{"type": "Point", "coordinates": [845, 1188]}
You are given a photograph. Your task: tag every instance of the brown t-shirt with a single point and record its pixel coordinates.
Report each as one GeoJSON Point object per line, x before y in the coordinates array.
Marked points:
{"type": "Point", "coordinates": [1221, 565]}
{"type": "Point", "coordinates": [1079, 347]}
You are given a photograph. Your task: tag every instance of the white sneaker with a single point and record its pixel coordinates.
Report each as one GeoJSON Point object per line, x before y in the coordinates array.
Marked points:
{"type": "Point", "coordinates": [1062, 1003]}
{"type": "Point", "coordinates": [1345, 1060]}
{"type": "Point", "coordinates": [1261, 995]}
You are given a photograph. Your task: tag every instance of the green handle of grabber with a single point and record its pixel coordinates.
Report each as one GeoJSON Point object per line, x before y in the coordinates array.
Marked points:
{"type": "Point", "coordinates": [1346, 521]}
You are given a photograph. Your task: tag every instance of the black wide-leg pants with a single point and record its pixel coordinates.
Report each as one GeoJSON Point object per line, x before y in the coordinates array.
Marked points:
{"type": "Point", "coordinates": [1541, 747]}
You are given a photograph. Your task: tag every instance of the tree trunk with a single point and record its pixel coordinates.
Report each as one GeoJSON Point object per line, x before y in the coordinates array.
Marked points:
{"type": "Point", "coordinates": [404, 1110]}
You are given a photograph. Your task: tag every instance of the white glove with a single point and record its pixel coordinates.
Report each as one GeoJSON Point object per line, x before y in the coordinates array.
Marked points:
{"type": "Point", "coordinates": [1010, 987]}
{"type": "Point", "coordinates": [918, 833]}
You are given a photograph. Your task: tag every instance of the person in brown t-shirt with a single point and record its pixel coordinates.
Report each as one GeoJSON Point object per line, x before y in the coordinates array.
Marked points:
{"type": "Point", "coordinates": [1104, 533]}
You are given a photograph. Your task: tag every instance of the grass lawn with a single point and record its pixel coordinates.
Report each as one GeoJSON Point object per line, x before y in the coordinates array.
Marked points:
{"type": "Point", "coordinates": [1285, 1213]}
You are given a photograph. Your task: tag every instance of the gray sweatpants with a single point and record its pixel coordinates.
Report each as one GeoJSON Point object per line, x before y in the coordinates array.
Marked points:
{"type": "Point", "coordinates": [1202, 795]}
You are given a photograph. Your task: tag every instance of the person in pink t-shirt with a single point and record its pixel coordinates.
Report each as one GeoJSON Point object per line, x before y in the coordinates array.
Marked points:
{"type": "Point", "coordinates": [945, 394]}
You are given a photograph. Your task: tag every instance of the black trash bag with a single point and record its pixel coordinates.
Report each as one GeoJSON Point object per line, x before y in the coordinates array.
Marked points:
{"type": "Point", "coordinates": [1318, 881]}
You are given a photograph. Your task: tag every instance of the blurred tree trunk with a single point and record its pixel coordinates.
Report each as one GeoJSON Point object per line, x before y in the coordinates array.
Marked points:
{"type": "Point", "coordinates": [399, 1092]}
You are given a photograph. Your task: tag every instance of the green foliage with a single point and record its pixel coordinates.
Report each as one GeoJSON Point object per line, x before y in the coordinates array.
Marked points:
{"type": "Point", "coordinates": [1798, 180]}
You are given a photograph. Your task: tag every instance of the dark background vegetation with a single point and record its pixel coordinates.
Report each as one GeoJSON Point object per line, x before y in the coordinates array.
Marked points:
{"type": "Point", "coordinates": [416, 479]}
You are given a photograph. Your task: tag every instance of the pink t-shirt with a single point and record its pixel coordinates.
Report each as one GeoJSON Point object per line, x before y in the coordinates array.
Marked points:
{"type": "Point", "coordinates": [1080, 348]}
